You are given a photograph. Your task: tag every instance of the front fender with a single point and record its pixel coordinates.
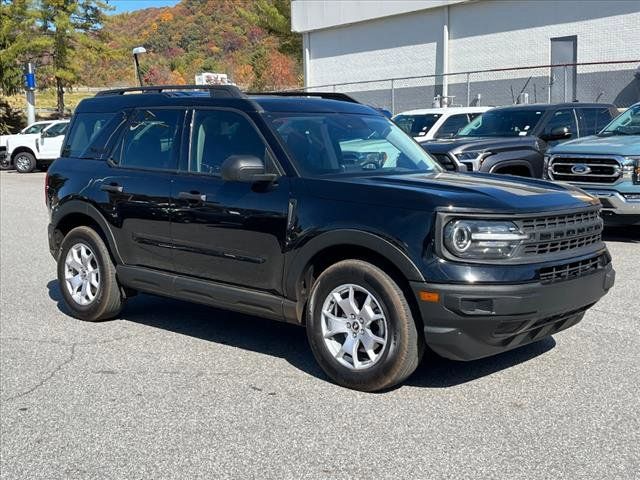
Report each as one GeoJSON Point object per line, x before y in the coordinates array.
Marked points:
{"type": "Point", "coordinates": [348, 238]}
{"type": "Point", "coordinates": [529, 158]}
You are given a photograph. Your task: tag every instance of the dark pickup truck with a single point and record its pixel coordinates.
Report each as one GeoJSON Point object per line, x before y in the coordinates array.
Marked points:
{"type": "Point", "coordinates": [513, 139]}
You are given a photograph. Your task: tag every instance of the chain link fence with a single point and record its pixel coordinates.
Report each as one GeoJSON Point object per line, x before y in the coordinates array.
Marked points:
{"type": "Point", "coordinates": [608, 82]}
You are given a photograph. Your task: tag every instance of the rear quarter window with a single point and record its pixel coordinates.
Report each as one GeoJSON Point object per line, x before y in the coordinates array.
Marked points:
{"type": "Point", "coordinates": [85, 130]}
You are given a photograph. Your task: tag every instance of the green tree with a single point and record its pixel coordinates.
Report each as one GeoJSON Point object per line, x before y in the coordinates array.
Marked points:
{"type": "Point", "coordinates": [71, 26]}
{"type": "Point", "coordinates": [17, 45]}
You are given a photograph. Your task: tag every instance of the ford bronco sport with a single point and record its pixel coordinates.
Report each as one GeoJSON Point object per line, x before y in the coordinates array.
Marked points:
{"type": "Point", "coordinates": [256, 203]}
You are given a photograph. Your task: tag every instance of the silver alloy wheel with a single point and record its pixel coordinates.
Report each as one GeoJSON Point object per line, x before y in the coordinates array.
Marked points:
{"type": "Point", "coordinates": [82, 274]}
{"type": "Point", "coordinates": [354, 326]}
{"type": "Point", "coordinates": [23, 162]}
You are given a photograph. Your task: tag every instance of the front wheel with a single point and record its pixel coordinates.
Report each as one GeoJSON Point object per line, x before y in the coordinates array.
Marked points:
{"type": "Point", "coordinates": [360, 327]}
{"type": "Point", "coordinates": [87, 276]}
{"type": "Point", "coordinates": [25, 162]}
{"type": "Point", "coordinates": [5, 163]}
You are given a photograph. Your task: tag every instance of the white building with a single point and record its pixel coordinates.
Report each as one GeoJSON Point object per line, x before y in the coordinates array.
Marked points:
{"type": "Point", "coordinates": [372, 41]}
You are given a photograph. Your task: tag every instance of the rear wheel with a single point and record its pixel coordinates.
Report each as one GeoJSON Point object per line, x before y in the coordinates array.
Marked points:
{"type": "Point", "coordinates": [360, 327]}
{"type": "Point", "coordinates": [87, 276]}
{"type": "Point", "coordinates": [25, 162]}
{"type": "Point", "coordinates": [5, 163]}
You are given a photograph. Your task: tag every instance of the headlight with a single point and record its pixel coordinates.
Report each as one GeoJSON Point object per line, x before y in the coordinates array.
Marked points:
{"type": "Point", "coordinates": [545, 167]}
{"type": "Point", "coordinates": [473, 155]}
{"type": "Point", "coordinates": [482, 239]}
{"type": "Point", "coordinates": [631, 169]}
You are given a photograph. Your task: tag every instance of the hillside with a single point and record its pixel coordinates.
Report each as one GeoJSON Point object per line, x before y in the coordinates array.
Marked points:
{"type": "Point", "coordinates": [248, 40]}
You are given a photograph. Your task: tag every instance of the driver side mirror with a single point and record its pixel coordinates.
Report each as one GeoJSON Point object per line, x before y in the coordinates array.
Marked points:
{"type": "Point", "coordinates": [246, 169]}
{"type": "Point", "coordinates": [558, 133]}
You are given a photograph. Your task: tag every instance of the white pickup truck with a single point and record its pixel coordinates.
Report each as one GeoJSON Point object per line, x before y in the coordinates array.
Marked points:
{"type": "Point", "coordinates": [28, 150]}
{"type": "Point", "coordinates": [35, 127]}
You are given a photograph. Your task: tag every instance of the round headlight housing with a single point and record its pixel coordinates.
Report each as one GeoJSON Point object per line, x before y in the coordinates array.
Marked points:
{"type": "Point", "coordinates": [482, 239]}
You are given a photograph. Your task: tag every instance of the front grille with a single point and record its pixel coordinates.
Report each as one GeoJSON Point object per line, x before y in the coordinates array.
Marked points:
{"type": "Point", "coordinates": [560, 233]}
{"type": "Point", "coordinates": [446, 161]}
{"type": "Point", "coordinates": [569, 271]}
{"type": "Point", "coordinates": [585, 170]}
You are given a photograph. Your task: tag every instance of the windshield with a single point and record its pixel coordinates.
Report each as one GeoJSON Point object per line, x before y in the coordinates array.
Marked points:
{"type": "Point", "coordinates": [503, 123]}
{"type": "Point", "coordinates": [36, 128]}
{"type": "Point", "coordinates": [416, 125]}
{"type": "Point", "coordinates": [338, 143]}
{"type": "Point", "coordinates": [627, 123]}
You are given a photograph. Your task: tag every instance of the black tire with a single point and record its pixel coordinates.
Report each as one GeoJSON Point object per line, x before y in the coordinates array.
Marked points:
{"type": "Point", "coordinates": [108, 300]}
{"type": "Point", "coordinates": [5, 163]}
{"type": "Point", "coordinates": [404, 347]}
{"type": "Point", "coordinates": [24, 162]}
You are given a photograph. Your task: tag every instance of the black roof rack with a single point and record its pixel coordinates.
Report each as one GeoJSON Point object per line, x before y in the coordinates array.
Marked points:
{"type": "Point", "coordinates": [301, 93]}
{"type": "Point", "coordinates": [218, 91]}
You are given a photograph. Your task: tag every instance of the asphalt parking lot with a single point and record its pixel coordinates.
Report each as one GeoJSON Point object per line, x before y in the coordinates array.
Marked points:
{"type": "Point", "coordinates": [175, 390]}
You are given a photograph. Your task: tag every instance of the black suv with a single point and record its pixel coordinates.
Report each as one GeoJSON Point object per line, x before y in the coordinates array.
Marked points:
{"type": "Point", "coordinates": [513, 139]}
{"type": "Point", "coordinates": [315, 210]}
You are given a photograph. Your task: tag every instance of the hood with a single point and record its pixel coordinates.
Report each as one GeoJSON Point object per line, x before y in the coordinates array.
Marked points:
{"type": "Point", "coordinates": [496, 193]}
{"type": "Point", "coordinates": [461, 144]}
{"type": "Point", "coordinates": [605, 145]}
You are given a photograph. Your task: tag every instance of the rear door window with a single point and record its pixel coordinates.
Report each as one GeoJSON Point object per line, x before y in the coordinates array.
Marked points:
{"type": "Point", "coordinates": [452, 126]}
{"type": "Point", "coordinates": [592, 120]}
{"type": "Point", "coordinates": [56, 129]}
{"type": "Point", "coordinates": [151, 140]}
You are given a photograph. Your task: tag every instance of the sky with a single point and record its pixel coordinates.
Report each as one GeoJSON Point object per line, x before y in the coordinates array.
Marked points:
{"type": "Point", "coordinates": [130, 5]}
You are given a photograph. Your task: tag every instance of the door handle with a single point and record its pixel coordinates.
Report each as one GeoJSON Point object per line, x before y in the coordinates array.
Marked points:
{"type": "Point", "coordinates": [112, 187]}
{"type": "Point", "coordinates": [197, 196]}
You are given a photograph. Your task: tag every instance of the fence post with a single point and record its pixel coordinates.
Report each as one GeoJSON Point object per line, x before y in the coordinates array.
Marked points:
{"type": "Point", "coordinates": [393, 97]}
{"type": "Point", "coordinates": [468, 90]}
{"type": "Point", "coordinates": [564, 96]}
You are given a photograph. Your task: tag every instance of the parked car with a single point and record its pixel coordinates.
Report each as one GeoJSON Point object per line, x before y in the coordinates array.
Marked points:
{"type": "Point", "coordinates": [513, 139]}
{"type": "Point", "coordinates": [34, 128]}
{"type": "Point", "coordinates": [37, 150]}
{"type": "Point", "coordinates": [247, 203]}
{"type": "Point", "coordinates": [430, 123]}
{"type": "Point", "coordinates": [606, 165]}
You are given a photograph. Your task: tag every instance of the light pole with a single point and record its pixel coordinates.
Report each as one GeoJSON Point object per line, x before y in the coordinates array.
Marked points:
{"type": "Point", "coordinates": [137, 51]}
{"type": "Point", "coordinates": [30, 87]}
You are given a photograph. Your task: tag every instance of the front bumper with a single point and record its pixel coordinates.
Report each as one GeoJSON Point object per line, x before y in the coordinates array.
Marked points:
{"type": "Point", "coordinates": [475, 321]}
{"type": "Point", "coordinates": [615, 204]}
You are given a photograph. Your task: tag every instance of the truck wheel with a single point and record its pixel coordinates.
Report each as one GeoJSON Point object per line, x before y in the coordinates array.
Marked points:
{"type": "Point", "coordinates": [87, 276]}
{"type": "Point", "coordinates": [360, 327]}
{"type": "Point", "coordinates": [5, 164]}
{"type": "Point", "coordinates": [25, 162]}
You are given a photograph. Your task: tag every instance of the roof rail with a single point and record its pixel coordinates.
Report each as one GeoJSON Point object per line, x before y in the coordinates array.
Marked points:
{"type": "Point", "coordinates": [218, 91]}
{"type": "Point", "coordinates": [301, 93]}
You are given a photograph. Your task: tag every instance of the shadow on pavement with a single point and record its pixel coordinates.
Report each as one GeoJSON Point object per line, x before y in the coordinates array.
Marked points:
{"type": "Point", "coordinates": [629, 234]}
{"type": "Point", "coordinates": [289, 341]}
